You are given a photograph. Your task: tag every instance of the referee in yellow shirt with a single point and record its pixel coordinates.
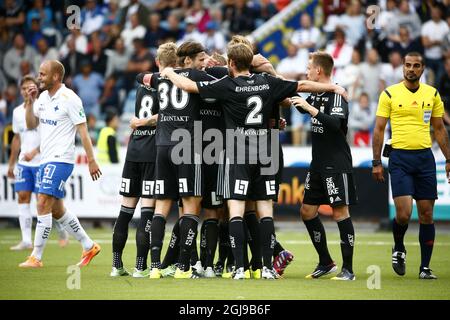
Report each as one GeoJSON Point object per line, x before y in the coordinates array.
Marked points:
{"type": "Point", "coordinates": [411, 106]}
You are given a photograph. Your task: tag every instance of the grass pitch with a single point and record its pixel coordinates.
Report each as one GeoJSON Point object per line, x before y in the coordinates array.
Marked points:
{"type": "Point", "coordinates": [372, 254]}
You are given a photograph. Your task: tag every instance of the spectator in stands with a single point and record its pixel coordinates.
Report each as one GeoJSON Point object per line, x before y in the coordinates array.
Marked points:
{"type": "Point", "coordinates": [140, 61]}
{"type": "Point", "coordinates": [112, 13]}
{"type": "Point", "coordinates": [214, 40]}
{"type": "Point", "coordinates": [80, 42]}
{"type": "Point", "coordinates": [117, 60]}
{"type": "Point", "coordinates": [386, 15]}
{"type": "Point", "coordinates": [199, 14]}
{"type": "Point", "coordinates": [26, 68]}
{"type": "Point", "coordinates": [43, 13]}
{"type": "Point", "coordinates": [34, 33]}
{"type": "Point", "coordinates": [242, 18]}
{"type": "Point", "coordinates": [405, 44]}
{"type": "Point", "coordinates": [92, 17]}
{"type": "Point", "coordinates": [341, 52]}
{"type": "Point", "coordinates": [134, 7]}
{"type": "Point", "coordinates": [14, 16]}
{"type": "Point", "coordinates": [91, 121]}
{"type": "Point", "coordinates": [392, 72]}
{"type": "Point", "coordinates": [14, 56]}
{"type": "Point", "coordinates": [173, 32]}
{"type": "Point", "coordinates": [446, 41]}
{"type": "Point", "coordinates": [12, 98]}
{"type": "Point", "coordinates": [98, 56]}
{"type": "Point", "coordinates": [361, 120]}
{"type": "Point", "coordinates": [155, 33]}
{"type": "Point", "coordinates": [443, 87]}
{"type": "Point", "coordinates": [353, 23]}
{"type": "Point", "coordinates": [166, 7]}
{"type": "Point", "coordinates": [110, 96]}
{"type": "Point", "coordinates": [266, 10]}
{"type": "Point", "coordinates": [307, 37]}
{"type": "Point", "coordinates": [294, 65]}
{"type": "Point", "coordinates": [72, 61]}
{"type": "Point", "coordinates": [191, 33]}
{"type": "Point", "coordinates": [404, 17]}
{"type": "Point", "coordinates": [3, 81]}
{"type": "Point", "coordinates": [88, 85]}
{"type": "Point", "coordinates": [352, 78]}
{"type": "Point", "coordinates": [135, 31]}
{"type": "Point", "coordinates": [370, 73]}
{"type": "Point", "coordinates": [44, 52]}
{"type": "Point", "coordinates": [433, 34]}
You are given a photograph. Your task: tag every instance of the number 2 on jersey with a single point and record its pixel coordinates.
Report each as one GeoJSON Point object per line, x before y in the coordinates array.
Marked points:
{"type": "Point", "coordinates": [146, 107]}
{"type": "Point", "coordinates": [254, 117]}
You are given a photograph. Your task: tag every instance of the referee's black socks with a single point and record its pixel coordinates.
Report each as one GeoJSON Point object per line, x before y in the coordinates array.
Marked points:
{"type": "Point", "coordinates": [120, 234]}
{"type": "Point", "coordinates": [143, 237]}
{"type": "Point", "coordinates": [319, 239]}
{"type": "Point", "coordinates": [398, 232]}
{"type": "Point", "coordinates": [347, 234]}
{"type": "Point", "coordinates": [426, 239]}
{"type": "Point", "coordinates": [267, 240]}
{"type": "Point", "coordinates": [157, 237]}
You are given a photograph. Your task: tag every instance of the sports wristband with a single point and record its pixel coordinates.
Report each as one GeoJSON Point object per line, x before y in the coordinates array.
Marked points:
{"type": "Point", "coordinates": [376, 163]}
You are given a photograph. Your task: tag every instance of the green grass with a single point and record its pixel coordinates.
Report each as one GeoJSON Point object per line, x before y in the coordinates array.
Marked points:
{"type": "Point", "coordinates": [50, 282]}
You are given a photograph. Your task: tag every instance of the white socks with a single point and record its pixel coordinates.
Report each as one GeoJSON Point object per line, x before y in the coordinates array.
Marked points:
{"type": "Point", "coordinates": [71, 223]}
{"type": "Point", "coordinates": [25, 221]}
{"type": "Point", "coordinates": [62, 233]}
{"type": "Point", "coordinates": [43, 229]}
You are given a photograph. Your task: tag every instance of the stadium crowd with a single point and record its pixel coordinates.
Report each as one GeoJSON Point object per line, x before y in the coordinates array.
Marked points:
{"type": "Point", "coordinates": [117, 39]}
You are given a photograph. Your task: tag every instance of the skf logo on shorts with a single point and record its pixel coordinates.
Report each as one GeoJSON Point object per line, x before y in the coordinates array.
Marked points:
{"type": "Point", "coordinates": [240, 187]}
{"type": "Point", "coordinates": [125, 185]}
{"type": "Point", "coordinates": [159, 187]}
{"type": "Point", "coordinates": [308, 177]}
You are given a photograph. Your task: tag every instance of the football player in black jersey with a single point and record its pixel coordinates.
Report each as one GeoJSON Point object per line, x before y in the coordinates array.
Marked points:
{"type": "Point", "coordinates": [329, 180]}
{"type": "Point", "coordinates": [178, 163]}
{"type": "Point", "coordinates": [138, 178]}
{"type": "Point", "coordinates": [247, 101]}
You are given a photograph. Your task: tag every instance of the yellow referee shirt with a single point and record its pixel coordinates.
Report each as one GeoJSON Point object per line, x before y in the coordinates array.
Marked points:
{"type": "Point", "coordinates": [410, 114]}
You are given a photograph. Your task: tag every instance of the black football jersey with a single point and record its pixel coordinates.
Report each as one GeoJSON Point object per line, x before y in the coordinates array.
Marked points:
{"type": "Point", "coordinates": [330, 150]}
{"type": "Point", "coordinates": [141, 147]}
{"type": "Point", "coordinates": [178, 109]}
{"type": "Point", "coordinates": [248, 101]}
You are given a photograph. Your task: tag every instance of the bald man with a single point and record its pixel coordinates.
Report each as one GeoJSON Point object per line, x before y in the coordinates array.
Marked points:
{"type": "Point", "coordinates": [60, 114]}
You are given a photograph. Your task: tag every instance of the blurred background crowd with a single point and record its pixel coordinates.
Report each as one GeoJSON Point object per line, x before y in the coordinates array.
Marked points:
{"type": "Point", "coordinates": [117, 39]}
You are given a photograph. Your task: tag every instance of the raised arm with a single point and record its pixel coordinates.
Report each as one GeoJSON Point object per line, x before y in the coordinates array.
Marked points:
{"type": "Point", "coordinates": [179, 81]}
{"type": "Point", "coordinates": [94, 170]}
{"type": "Point", "coordinates": [312, 86]}
{"type": "Point", "coordinates": [31, 120]}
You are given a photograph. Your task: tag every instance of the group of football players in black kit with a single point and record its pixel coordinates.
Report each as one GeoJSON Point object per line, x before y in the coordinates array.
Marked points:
{"type": "Point", "coordinates": [199, 133]}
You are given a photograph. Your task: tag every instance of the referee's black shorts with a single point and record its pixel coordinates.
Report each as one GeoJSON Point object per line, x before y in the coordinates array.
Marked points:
{"type": "Point", "coordinates": [413, 172]}
{"type": "Point", "coordinates": [335, 189]}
